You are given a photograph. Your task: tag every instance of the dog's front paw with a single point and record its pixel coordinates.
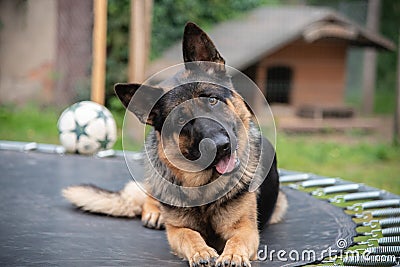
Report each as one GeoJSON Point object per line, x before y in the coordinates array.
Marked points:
{"type": "Point", "coordinates": [232, 260]}
{"type": "Point", "coordinates": [153, 220]}
{"type": "Point", "coordinates": [203, 257]}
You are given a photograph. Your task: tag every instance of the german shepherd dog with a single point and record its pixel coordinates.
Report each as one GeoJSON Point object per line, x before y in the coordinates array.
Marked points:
{"type": "Point", "coordinates": [222, 231]}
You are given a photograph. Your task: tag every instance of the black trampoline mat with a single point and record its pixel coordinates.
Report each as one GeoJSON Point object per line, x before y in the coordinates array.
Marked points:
{"type": "Point", "coordinates": [39, 227]}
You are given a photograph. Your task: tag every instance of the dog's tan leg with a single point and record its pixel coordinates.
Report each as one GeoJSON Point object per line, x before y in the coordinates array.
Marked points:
{"type": "Point", "coordinates": [242, 244]}
{"type": "Point", "coordinates": [189, 244]}
{"type": "Point", "coordinates": [151, 215]}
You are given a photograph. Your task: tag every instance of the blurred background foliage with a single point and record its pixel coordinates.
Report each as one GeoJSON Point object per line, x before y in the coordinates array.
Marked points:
{"type": "Point", "coordinates": [386, 76]}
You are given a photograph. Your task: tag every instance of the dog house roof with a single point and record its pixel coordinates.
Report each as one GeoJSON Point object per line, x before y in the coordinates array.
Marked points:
{"type": "Point", "coordinates": [243, 41]}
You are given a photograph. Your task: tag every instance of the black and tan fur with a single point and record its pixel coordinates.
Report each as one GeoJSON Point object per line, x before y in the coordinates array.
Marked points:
{"type": "Point", "coordinates": [226, 231]}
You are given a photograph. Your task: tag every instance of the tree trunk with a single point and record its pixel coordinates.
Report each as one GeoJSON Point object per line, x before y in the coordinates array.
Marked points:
{"type": "Point", "coordinates": [369, 70]}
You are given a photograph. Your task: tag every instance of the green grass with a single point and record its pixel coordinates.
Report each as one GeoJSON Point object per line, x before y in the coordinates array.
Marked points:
{"type": "Point", "coordinates": [31, 123]}
{"type": "Point", "coordinates": [377, 165]}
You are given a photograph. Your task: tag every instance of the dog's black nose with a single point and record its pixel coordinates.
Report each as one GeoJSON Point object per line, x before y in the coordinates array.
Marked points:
{"type": "Point", "coordinates": [222, 144]}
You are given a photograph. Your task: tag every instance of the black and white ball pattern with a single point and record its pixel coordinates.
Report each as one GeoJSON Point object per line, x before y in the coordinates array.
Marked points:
{"type": "Point", "coordinates": [86, 128]}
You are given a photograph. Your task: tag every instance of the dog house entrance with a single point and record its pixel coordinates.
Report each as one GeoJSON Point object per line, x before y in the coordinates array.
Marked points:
{"type": "Point", "coordinates": [278, 85]}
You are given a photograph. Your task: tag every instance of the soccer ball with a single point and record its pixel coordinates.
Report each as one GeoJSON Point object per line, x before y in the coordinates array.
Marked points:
{"type": "Point", "coordinates": [86, 128]}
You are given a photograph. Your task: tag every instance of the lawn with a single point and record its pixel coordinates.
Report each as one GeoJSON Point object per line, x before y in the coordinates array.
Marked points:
{"type": "Point", "coordinates": [375, 164]}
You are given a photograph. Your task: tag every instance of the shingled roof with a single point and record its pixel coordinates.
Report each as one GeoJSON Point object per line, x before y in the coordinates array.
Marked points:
{"type": "Point", "coordinates": [243, 41]}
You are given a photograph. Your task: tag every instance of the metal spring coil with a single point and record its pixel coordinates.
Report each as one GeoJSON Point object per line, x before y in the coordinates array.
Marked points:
{"type": "Point", "coordinates": [393, 231]}
{"type": "Point", "coordinates": [389, 222]}
{"type": "Point", "coordinates": [386, 212]}
{"type": "Point", "coordinates": [381, 203]}
{"type": "Point", "coordinates": [371, 261]}
{"type": "Point", "coordinates": [388, 250]}
{"type": "Point", "coordinates": [389, 241]}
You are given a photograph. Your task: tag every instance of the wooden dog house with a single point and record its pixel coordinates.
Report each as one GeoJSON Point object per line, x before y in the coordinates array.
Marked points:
{"type": "Point", "coordinates": [296, 55]}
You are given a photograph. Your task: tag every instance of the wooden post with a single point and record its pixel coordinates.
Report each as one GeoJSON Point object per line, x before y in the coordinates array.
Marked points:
{"type": "Point", "coordinates": [139, 50]}
{"type": "Point", "coordinates": [148, 11]}
{"type": "Point", "coordinates": [140, 31]}
{"type": "Point", "coordinates": [396, 130]}
{"type": "Point", "coordinates": [99, 51]}
{"type": "Point", "coordinates": [261, 81]}
{"type": "Point", "coordinates": [369, 68]}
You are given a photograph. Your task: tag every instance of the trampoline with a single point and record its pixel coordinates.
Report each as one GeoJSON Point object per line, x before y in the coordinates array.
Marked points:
{"type": "Point", "coordinates": [40, 228]}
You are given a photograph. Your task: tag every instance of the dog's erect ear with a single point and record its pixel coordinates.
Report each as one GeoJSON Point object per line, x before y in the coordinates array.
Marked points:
{"type": "Point", "coordinates": [144, 102]}
{"type": "Point", "coordinates": [197, 46]}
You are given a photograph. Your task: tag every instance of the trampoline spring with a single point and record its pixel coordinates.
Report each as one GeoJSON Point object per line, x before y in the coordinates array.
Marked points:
{"type": "Point", "coordinates": [370, 261]}
{"type": "Point", "coordinates": [381, 204]}
{"type": "Point", "coordinates": [51, 149]}
{"type": "Point", "coordinates": [30, 146]}
{"type": "Point", "coordinates": [136, 155]}
{"type": "Point", "coordinates": [291, 178]}
{"type": "Point", "coordinates": [369, 242]}
{"type": "Point", "coordinates": [356, 196]}
{"type": "Point", "coordinates": [319, 182]}
{"type": "Point", "coordinates": [373, 233]}
{"type": "Point", "coordinates": [387, 250]}
{"type": "Point", "coordinates": [390, 222]}
{"type": "Point", "coordinates": [393, 231]}
{"type": "Point", "coordinates": [18, 146]}
{"type": "Point", "coordinates": [375, 204]}
{"type": "Point", "coordinates": [372, 223]}
{"type": "Point", "coordinates": [106, 153]}
{"type": "Point", "coordinates": [391, 212]}
{"type": "Point", "coordinates": [362, 195]}
{"type": "Point", "coordinates": [389, 241]}
{"type": "Point", "coordinates": [386, 212]}
{"type": "Point", "coordinates": [336, 189]}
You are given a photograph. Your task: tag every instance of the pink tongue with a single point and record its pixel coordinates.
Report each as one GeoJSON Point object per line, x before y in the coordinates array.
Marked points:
{"type": "Point", "coordinates": [226, 165]}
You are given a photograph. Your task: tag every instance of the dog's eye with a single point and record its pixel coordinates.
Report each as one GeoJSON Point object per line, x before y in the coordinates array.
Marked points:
{"type": "Point", "coordinates": [181, 121]}
{"type": "Point", "coordinates": [212, 101]}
